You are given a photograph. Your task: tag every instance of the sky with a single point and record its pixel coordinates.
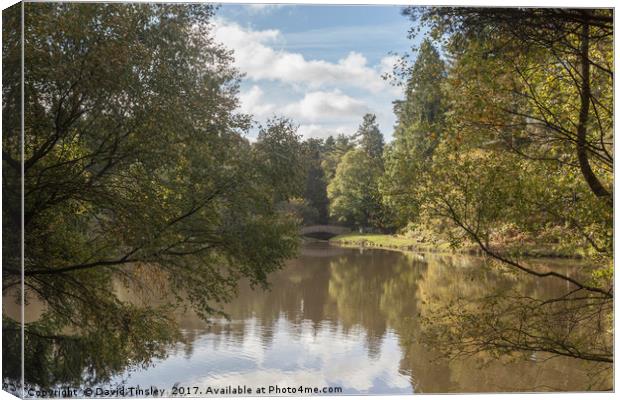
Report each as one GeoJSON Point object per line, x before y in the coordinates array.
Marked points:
{"type": "Point", "coordinates": [321, 66]}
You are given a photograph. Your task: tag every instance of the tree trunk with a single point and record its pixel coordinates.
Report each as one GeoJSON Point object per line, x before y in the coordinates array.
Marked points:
{"type": "Point", "coordinates": [582, 151]}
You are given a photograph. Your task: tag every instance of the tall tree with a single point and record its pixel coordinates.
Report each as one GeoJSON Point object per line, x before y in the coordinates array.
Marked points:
{"type": "Point", "coordinates": [280, 157]}
{"type": "Point", "coordinates": [134, 161]}
{"type": "Point", "coordinates": [353, 193]}
{"type": "Point", "coordinates": [315, 191]}
{"type": "Point", "coordinates": [572, 46]}
{"type": "Point", "coordinates": [420, 117]}
{"type": "Point", "coordinates": [354, 190]}
{"type": "Point", "coordinates": [420, 121]}
{"type": "Point", "coordinates": [370, 138]}
{"type": "Point", "coordinates": [335, 149]}
{"type": "Point", "coordinates": [525, 158]}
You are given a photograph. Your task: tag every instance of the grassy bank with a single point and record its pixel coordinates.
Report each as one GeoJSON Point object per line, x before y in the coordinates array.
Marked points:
{"type": "Point", "coordinates": [397, 242]}
{"type": "Point", "coordinates": [405, 243]}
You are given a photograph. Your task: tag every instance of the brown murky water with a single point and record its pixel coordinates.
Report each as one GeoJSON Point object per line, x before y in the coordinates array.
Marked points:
{"type": "Point", "coordinates": [350, 318]}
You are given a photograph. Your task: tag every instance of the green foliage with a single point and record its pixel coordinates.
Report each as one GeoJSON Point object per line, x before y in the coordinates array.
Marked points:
{"type": "Point", "coordinates": [280, 157]}
{"type": "Point", "coordinates": [509, 155]}
{"type": "Point", "coordinates": [369, 137]}
{"type": "Point", "coordinates": [315, 191]}
{"type": "Point", "coordinates": [11, 138]}
{"type": "Point", "coordinates": [135, 157]}
{"type": "Point", "coordinates": [354, 193]}
{"type": "Point", "coordinates": [421, 121]}
{"type": "Point", "coordinates": [335, 149]}
{"type": "Point", "coordinates": [95, 353]}
{"type": "Point", "coordinates": [517, 156]}
{"type": "Point", "coordinates": [301, 209]}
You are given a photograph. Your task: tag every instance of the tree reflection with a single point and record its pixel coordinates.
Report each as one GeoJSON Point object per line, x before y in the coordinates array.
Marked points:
{"type": "Point", "coordinates": [417, 297]}
{"type": "Point", "coordinates": [361, 297]}
{"type": "Point", "coordinates": [464, 301]}
{"type": "Point", "coordinates": [89, 353]}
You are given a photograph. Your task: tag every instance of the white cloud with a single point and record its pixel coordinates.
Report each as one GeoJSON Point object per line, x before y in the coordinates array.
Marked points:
{"type": "Point", "coordinates": [262, 7]}
{"type": "Point", "coordinates": [319, 113]}
{"type": "Point", "coordinates": [387, 64]}
{"type": "Point", "coordinates": [258, 60]}
{"type": "Point", "coordinates": [321, 105]}
{"type": "Point", "coordinates": [307, 354]}
{"type": "Point", "coordinates": [322, 131]}
{"type": "Point", "coordinates": [252, 102]}
{"type": "Point", "coordinates": [323, 97]}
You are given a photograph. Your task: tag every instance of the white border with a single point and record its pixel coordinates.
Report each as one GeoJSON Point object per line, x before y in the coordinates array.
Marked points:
{"type": "Point", "coordinates": [531, 3]}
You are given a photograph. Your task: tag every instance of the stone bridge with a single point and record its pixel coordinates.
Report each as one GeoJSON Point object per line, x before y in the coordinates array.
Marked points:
{"type": "Point", "coordinates": [323, 231]}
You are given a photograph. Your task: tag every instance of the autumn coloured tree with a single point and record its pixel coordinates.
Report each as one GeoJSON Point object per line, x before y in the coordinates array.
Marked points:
{"type": "Point", "coordinates": [522, 161]}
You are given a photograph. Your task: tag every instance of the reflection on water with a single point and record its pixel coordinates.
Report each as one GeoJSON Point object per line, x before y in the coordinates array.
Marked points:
{"type": "Point", "coordinates": [351, 318]}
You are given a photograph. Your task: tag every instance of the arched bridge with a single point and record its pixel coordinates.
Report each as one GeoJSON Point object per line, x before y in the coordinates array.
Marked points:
{"type": "Point", "coordinates": [323, 231]}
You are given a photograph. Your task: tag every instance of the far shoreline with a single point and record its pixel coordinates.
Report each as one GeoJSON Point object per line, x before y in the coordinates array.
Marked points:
{"type": "Point", "coordinates": [408, 244]}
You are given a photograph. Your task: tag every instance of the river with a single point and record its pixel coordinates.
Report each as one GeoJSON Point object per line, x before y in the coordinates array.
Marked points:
{"type": "Point", "coordinates": [348, 318]}
{"type": "Point", "coordinates": [353, 319]}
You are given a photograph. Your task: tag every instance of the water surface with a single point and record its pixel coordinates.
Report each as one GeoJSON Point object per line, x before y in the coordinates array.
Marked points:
{"type": "Point", "coordinates": [351, 318]}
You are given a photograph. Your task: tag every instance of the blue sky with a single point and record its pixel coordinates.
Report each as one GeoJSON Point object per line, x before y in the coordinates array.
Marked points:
{"type": "Point", "coordinates": [318, 65]}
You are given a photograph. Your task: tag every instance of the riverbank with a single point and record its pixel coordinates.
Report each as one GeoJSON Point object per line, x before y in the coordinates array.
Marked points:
{"type": "Point", "coordinates": [405, 243]}
{"type": "Point", "coordinates": [396, 242]}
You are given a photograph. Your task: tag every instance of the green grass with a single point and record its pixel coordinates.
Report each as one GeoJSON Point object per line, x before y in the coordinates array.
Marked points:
{"type": "Point", "coordinates": [387, 241]}
{"type": "Point", "coordinates": [400, 242]}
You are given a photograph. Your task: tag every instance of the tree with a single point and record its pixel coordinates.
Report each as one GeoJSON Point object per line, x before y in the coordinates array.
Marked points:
{"type": "Point", "coordinates": [353, 191]}
{"type": "Point", "coordinates": [420, 121]}
{"type": "Point", "coordinates": [315, 191]}
{"type": "Point", "coordinates": [573, 46]}
{"type": "Point", "coordinates": [424, 106]}
{"type": "Point", "coordinates": [280, 157]}
{"type": "Point", "coordinates": [524, 161]}
{"type": "Point", "coordinates": [335, 149]}
{"type": "Point", "coordinates": [370, 138]}
{"type": "Point", "coordinates": [135, 165]}
{"type": "Point", "coordinates": [11, 140]}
